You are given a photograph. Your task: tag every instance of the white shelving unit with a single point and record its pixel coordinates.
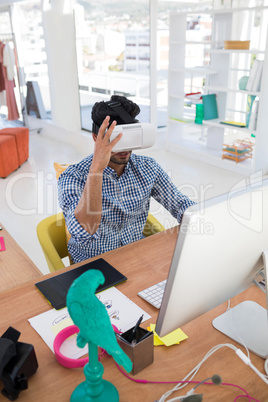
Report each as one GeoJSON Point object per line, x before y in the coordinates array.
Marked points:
{"type": "Point", "coordinates": [221, 71]}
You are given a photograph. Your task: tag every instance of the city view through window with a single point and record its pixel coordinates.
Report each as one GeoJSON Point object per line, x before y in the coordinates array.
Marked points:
{"type": "Point", "coordinates": [113, 53]}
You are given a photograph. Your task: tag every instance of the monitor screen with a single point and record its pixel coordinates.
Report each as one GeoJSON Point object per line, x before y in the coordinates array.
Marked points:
{"type": "Point", "coordinates": [217, 255]}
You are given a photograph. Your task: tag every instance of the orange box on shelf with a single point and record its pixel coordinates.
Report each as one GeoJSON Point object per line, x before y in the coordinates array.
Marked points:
{"type": "Point", "coordinates": [237, 44]}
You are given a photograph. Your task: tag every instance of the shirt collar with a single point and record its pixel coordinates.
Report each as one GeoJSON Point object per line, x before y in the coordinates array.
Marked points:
{"type": "Point", "coordinates": [111, 172]}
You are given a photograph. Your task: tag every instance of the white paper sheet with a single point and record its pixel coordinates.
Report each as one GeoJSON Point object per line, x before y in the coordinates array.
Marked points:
{"type": "Point", "coordinates": [122, 311]}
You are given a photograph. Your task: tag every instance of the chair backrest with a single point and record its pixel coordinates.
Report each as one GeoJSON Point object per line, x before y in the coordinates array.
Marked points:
{"type": "Point", "coordinates": [152, 226]}
{"type": "Point", "coordinates": [52, 237]}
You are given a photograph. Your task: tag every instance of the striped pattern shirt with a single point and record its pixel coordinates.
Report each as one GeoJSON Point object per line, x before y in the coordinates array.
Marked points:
{"type": "Point", "coordinates": [125, 204]}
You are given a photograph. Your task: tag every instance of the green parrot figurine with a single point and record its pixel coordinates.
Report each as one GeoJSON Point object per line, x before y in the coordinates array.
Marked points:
{"type": "Point", "coordinates": [92, 319]}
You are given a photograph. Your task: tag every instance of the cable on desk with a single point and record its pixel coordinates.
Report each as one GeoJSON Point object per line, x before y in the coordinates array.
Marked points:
{"type": "Point", "coordinates": [195, 370]}
{"type": "Point", "coordinates": [239, 353]}
{"type": "Point", "coordinates": [246, 395]}
{"type": "Point", "coordinates": [186, 380]}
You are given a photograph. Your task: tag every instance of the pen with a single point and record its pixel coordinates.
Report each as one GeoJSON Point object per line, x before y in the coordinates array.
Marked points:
{"type": "Point", "coordinates": [135, 328]}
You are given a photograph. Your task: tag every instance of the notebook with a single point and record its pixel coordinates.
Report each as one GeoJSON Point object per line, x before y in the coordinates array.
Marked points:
{"type": "Point", "coordinates": [55, 289]}
{"type": "Point", "coordinates": [233, 123]}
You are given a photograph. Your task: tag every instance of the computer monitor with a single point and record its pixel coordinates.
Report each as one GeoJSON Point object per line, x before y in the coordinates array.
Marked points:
{"type": "Point", "coordinates": [217, 255]}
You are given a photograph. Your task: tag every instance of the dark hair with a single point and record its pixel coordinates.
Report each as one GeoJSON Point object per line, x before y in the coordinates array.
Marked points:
{"type": "Point", "coordinates": [100, 110]}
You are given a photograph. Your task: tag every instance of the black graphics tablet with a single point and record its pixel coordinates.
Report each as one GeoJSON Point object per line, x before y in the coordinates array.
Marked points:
{"type": "Point", "coordinates": [55, 289]}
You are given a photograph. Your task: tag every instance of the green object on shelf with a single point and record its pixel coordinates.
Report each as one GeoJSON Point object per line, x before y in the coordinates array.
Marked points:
{"type": "Point", "coordinates": [242, 83]}
{"type": "Point", "coordinates": [250, 100]}
{"type": "Point", "coordinates": [210, 107]}
{"type": "Point", "coordinates": [199, 113]}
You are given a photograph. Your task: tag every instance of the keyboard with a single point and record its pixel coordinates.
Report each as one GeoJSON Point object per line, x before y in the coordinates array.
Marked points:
{"type": "Point", "coordinates": [154, 294]}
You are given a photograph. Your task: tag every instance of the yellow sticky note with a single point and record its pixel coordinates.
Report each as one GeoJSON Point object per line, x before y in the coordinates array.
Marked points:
{"type": "Point", "coordinates": [157, 341]}
{"type": "Point", "coordinates": [172, 338]}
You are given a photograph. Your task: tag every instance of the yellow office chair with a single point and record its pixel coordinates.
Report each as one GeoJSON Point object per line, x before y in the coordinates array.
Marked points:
{"type": "Point", "coordinates": [51, 233]}
{"type": "Point", "coordinates": [52, 238]}
{"type": "Point", "coordinates": [152, 226]}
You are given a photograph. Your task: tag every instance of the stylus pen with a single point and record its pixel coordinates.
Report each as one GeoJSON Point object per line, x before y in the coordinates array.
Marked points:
{"type": "Point", "coordinates": [135, 328]}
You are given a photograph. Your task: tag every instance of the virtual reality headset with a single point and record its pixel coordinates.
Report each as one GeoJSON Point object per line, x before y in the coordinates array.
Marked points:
{"type": "Point", "coordinates": [17, 363]}
{"type": "Point", "coordinates": [136, 135]}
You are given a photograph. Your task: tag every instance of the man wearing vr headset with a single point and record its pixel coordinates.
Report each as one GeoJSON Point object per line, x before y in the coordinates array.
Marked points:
{"type": "Point", "coordinates": [106, 197]}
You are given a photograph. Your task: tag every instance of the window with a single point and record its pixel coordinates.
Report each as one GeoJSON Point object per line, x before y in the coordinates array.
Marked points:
{"type": "Point", "coordinates": [5, 24]}
{"type": "Point", "coordinates": [109, 36]}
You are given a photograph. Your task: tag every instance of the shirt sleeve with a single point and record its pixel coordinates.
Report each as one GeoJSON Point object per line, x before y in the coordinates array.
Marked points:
{"type": "Point", "coordinates": [167, 194]}
{"type": "Point", "coordinates": [70, 188]}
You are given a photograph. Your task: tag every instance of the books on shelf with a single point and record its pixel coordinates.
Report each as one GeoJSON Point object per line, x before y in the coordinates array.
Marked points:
{"type": "Point", "coordinates": [254, 80]}
{"type": "Point", "coordinates": [194, 97]}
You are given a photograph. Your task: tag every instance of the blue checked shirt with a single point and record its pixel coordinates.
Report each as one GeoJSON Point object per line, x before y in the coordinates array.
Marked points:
{"type": "Point", "coordinates": [125, 204]}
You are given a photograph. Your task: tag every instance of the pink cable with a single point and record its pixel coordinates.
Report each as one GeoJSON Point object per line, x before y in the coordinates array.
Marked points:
{"type": "Point", "coordinates": [245, 396]}
{"type": "Point", "coordinates": [250, 398]}
{"type": "Point", "coordinates": [66, 362]}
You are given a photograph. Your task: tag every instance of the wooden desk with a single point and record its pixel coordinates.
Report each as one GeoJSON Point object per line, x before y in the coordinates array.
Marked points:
{"type": "Point", "coordinates": [143, 262]}
{"type": "Point", "coordinates": [15, 265]}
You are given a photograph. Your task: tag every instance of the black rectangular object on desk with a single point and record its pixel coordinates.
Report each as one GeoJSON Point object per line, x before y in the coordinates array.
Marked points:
{"type": "Point", "coordinates": [55, 289]}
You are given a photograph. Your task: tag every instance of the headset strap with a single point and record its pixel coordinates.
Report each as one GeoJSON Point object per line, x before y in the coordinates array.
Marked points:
{"type": "Point", "coordinates": [120, 111]}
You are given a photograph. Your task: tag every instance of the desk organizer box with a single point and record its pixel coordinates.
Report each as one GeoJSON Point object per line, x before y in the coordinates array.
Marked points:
{"type": "Point", "coordinates": [238, 150]}
{"type": "Point", "coordinates": [141, 353]}
{"type": "Point", "coordinates": [14, 149]}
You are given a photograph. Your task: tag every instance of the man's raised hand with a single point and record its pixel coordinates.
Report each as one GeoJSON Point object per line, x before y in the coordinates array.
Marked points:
{"type": "Point", "coordinates": [103, 146]}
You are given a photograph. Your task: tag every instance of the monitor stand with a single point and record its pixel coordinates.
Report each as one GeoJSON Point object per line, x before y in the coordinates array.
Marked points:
{"type": "Point", "coordinates": [247, 323]}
